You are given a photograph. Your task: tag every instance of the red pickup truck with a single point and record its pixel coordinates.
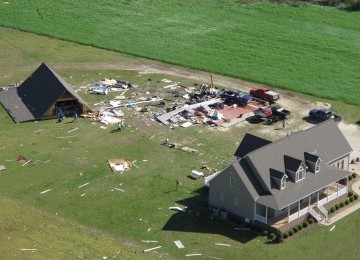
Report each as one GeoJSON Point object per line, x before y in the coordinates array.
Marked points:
{"type": "Point", "coordinates": [264, 94]}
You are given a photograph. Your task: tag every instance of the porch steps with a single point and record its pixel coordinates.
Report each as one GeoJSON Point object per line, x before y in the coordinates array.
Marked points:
{"type": "Point", "coordinates": [315, 214]}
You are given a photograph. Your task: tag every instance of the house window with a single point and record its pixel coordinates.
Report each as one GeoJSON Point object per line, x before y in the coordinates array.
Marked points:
{"type": "Point", "coordinates": [283, 182]}
{"type": "Point", "coordinates": [317, 166]}
{"type": "Point", "coordinates": [237, 203]}
{"type": "Point", "coordinates": [342, 164]}
{"type": "Point", "coordinates": [300, 174]}
{"type": "Point", "coordinates": [232, 181]}
{"type": "Point", "coordinates": [338, 164]}
{"type": "Point", "coordinates": [222, 196]}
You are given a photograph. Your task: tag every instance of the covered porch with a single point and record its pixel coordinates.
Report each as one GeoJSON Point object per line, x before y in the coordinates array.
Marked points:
{"type": "Point", "coordinates": [313, 204]}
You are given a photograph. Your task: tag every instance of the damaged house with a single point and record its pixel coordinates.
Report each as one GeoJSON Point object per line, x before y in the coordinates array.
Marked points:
{"type": "Point", "coordinates": [278, 183]}
{"type": "Point", "coordinates": [43, 95]}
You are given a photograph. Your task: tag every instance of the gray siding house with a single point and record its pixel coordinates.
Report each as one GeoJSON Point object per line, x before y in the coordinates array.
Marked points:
{"type": "Point", "coordinates": [282, 181]}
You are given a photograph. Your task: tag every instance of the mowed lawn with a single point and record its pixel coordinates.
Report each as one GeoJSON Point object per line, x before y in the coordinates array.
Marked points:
{"type": "Point", "coordinates": [308, 49]}
{"type": "Point", "coordinates": [96, 220]}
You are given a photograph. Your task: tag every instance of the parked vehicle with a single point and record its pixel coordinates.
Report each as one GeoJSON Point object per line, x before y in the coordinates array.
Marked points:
{"type": "Point", "coordinates": [237, 97]}
{"type": "Point", "coordinates": [264, 94]}
{"type": "Point", "coordinates": [272, 114]}
{"type": "Point", "coordinates": [322, 114]}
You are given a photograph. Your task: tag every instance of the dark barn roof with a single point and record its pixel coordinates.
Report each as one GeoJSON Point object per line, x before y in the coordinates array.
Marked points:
{"type": "Point", "coordinates": [36, 95]}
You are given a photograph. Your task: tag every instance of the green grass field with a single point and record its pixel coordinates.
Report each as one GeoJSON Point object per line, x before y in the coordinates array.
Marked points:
{"type": "Point", "coordinates": [308, 49]}
{"type": "Point", "coordinates": [94, 221]}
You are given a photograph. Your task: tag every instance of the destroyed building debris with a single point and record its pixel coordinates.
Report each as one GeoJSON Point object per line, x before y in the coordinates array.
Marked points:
{"type": "Point", "coordinates": [119, 165]}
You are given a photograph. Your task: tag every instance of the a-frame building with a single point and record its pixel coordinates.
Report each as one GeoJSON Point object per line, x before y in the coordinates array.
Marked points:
{"type": "Point", "coordinates": [43, 95]}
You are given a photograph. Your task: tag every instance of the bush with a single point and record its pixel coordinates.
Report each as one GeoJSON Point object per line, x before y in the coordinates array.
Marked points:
{"type": "Point", "coordinates": [272, 236]}
{"type": "Point", "coordinates": [295, 229]}
{"type": "Point", "coordinates": [351, 198]}
{"type": "Point", "coordinates": [342, 204]}
{"type": "Point", "coordinates": [299, 227]}
{"type": "Point", "coordinates": [311, 221]}
{"type": "Point", "coordinates": [354, 175]}
{"type": "Point", "coordinates": [265, 233]}
{"type": "Point", "coordinates": [347, 202]}
{"type": "Point", "coordinates": [350, 193]}
{"type": "Point", "coordinates": [280, 238]}
{"type": "Point", "coordinates": [350, 177]}
{"type": "Point", "coordinates": [305, 224]}
{"type": "Point", "coordinates": [332, 209]}
{"type": "Point", "coordinates": [337, 206]}
{"type": "Point", "coordinates": [285, 235]}
{"type": "Point", "coordinates": [291, 232]}
{"type": "Point", "coordinates": [356, 196]}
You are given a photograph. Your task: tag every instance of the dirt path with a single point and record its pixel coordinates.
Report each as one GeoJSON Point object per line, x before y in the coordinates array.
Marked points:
{"type": "Point", "coordinates": [290, 100]}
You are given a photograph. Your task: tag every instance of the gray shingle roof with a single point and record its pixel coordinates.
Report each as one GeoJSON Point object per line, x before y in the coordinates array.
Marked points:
{"type": "Point", "coordinates": [250, 143]}
{"type": "Point", "coordinates": [326, 138]}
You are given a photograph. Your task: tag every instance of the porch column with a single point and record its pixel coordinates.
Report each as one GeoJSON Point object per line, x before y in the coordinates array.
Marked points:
{"type": "Point", "coordinates": [327, 194]}
{"type": "Point", "coordinates": [337, 190]}
{"type": "Point", "coordinates": [254, 212]}
{"type": "Point", "coordinates": [288, 213]}
{"type": "Point", "coordinates": [266, 212]}
{"type": "Point", "coordinates": [317, 198]}
{"type": "Point", "coordinates": [299, 209]}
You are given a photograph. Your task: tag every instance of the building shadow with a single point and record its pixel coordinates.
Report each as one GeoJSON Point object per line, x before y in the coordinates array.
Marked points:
{"type": "Point", "coordinates": [197, 219]}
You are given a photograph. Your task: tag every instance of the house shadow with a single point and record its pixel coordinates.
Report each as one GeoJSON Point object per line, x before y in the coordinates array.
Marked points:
{"type": "Point", "coordinates": [197, 219]}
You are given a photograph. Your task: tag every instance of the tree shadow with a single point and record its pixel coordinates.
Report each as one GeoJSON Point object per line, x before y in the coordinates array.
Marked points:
{"type": "Point", "coordinates": [197, 219]}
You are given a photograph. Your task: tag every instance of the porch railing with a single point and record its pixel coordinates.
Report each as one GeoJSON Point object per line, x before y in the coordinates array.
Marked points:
{"type": "Point", "coordinates": [260, 218]}
{"type": "Point", "coordinates": [333, 196]}
{"type": "Point", "coordinates": [323, 211]}
{"type": "Point", "coordinates": [298, 214]}
{"type": "Point", "coordinates": [315, 215]}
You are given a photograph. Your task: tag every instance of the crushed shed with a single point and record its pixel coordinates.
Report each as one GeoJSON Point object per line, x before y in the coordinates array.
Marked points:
{"type": "Point", "coordinates": [119, 165]}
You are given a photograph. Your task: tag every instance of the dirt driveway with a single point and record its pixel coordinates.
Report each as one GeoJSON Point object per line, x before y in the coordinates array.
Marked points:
{"type": "Point", "coordinates": [289, 100]}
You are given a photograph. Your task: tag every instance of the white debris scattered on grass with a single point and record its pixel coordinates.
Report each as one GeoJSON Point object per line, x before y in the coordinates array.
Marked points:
{"type": "Point", "coordinates": [85, 184]}
{"type": "Point", "coordinates": [72, 130]}
{"type": "Point", "coordinates": [193, 254]}
{"type": "Point", "coordinates": [28, 249]}
{"type": "Point", "coordinates": [179, 244]}
{"type": "Point", "coordinates": [149, 241]}
{"type": "Point", "coordinates": [45, 191]}
{"type": "Point", "coordinates": [117, 189]}
{"type": "Point", "coordinates": [151, 249]}
{"type": "Point", "coordinates": [178, 209]}
{"type": "Point", "coordinates": [220, 244]}
{"type": "Point", "coordinates": [331, 229]}
{"type": "Point", "coordinates": [82, 195]}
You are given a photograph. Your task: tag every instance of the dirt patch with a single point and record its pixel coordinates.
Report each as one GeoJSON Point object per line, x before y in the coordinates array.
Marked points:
{"type": "Point", "coordinates": [298, 106]}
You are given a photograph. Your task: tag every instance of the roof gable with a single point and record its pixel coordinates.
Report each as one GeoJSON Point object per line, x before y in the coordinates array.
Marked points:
{"type": "Point", "coordinates": [250, 143]}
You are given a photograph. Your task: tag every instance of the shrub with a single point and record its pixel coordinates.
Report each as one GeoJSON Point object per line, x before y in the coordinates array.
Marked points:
{"type": "Point", "coordinates": [285, 235]}
{"type": "Point", "coordinates": [350, 177]}
{"type": "Point", "coordinates": [356, 196]}
{"type": "Point", "coordinates": [337, 206]}
{"type": "Point", "coordinates": [280, 238]}
{"type": "Point", "coordinates": [291, 232]}
{"type": "Point", "coordinates": [265, 233]}
{"type": "Point", "coordinates": [311, 221]}
{"type": "Point", "coordinates": [350, 193]}
{"type": "Point", "coordinates": [351, 198]}
{"type": "Point", "coordinates": [354, 175]}
{"type": "Point", "coordinates": [295, 229]}
{"type": "Point", "coordinates": [299, 227]}
{"type": "Point", "coordinates": [332, 209]}
{"type": "Point", "coordinates": [272, 236]}
{"type": "Point", "coordinates": [305, 224]}
{"type": "Point", "coordinates": [347, 202]}
{"type": "Point", "coordinates": [342, 204]}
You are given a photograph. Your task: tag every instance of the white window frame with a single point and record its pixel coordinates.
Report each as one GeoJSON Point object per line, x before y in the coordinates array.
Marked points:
{"type": "Point", "coordinates": [317, 166]}
{"type": "Point", "coordinates": [303, 170]}
{"type": "Point", "coordinates": [232, 181]}
{"type": "Point", "coordinates": [237, 202]}
{"type": "Point", "coordinates": [222, 196]}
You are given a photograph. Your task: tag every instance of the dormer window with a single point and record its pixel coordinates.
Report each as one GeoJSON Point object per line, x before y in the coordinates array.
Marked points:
{"type": "Point", "coordinates": [283, 182]}
{"type": "Point", "coordinates": [300, 174]}
{"type": "Point", "coordinates": [317, 166]}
